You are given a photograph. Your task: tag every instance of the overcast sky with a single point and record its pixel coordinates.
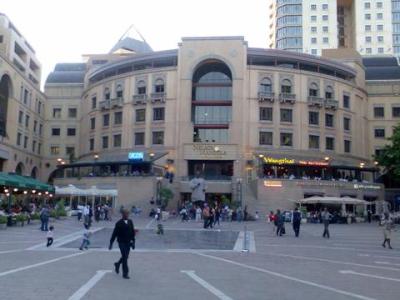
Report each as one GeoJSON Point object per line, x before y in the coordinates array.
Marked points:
{"type": "Point", "coordinates": [61, 31]}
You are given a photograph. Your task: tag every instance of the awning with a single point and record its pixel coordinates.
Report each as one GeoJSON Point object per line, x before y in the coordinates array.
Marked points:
{"type": "Point", "coordinates": [24, 182]}
{"type": "Point", "coordinates": [332, 200]}
{"type": "Point", "coordinates": [72, 190]}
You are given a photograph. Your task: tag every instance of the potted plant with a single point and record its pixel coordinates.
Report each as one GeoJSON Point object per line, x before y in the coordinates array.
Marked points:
{"type": "Point", "coordinates": [34, 218]}
{"type": "Point", "coordinates": [3, 222]}
{"type": "Point", "coordinates": [60, 209]}
{"type": "Point", "coordinates": [21, 219]}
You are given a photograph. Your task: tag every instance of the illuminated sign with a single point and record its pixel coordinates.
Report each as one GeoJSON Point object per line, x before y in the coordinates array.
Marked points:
{"type": "Point", "coordinates": [135, 156]}
{"type": "Point", "coordinates": [313, 163]}
{"type": "Point", "coordinates": [366, 186]}
{"type": "Point", "coordinates": [270, 183]}
{"type": "Point", "coordinates": [278, 161]}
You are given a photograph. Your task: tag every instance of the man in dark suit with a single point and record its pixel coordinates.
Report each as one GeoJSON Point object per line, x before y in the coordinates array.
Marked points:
{"type": "Point", "coordinates": [296, 221]}
{"type": "Point", "coordinates": [124, 232]}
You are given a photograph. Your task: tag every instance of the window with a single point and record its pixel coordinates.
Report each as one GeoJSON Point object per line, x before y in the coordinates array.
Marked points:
{"type": "Point", "coordinates": [346, 101]}
{"type": "Point", "coordinates": [368, 50]}
{"type": "Point", "coordinates": [106, 120]}
{"type": "Point", "coordinates": [140, 115]}
{"type": "Point", "coordinates": [104, 142]}
{"type": "Point", "coordinates": [20, 117]}
{"type": "Point", "coordinates": [313, 118]}
{"type": "Point", "coordinates": [313, 141]}
{"type": "Point", "coordinates": [1, 38]}
{"type": "Point", "coordinates": [265, 86]}
{"type": "Point", "coordinates": [314, 51]}
{"type": "Point", "coordinates": [347, 146]}
{"type": "Point", "coordinates": [380, 50]}
{"type": "Point", "coordinates": [70, 151]}
{"type": "Point", "coordinates": [367, 27]}
{"type": "Point", "coordinates": [265, 138]}
{"type": "Point", "coordinates": [158, 137]}
{"type": "Point", "coordinates": [330, 143]}
{"type": "Point", "coordinates": [117, 141]}
{"type": "Point", "coordinates": [71, 131]}
{"type": "Point", "coordinates": [396, 112]}
{"type": "Point", "coordinates": [19, 137]}
{"type": "Point", "coordinates": [313, 7]}
{"type": "Point", "coordinates": [325, 29]}
{"type": "Point", "coordinates": [286, 87]}
{"type": "Point", "coordinates": [328, 92]}
{"type": "Point", "coordinates": [367, 16]}
{"type": "Point", "coordinates": [39, 149]}
{"type": "Point", "coordinates": [378, 152]}
{"type": "Point", "coordinates": [286, 139]}
{"type": "Point", "coordinates": [107, 93]}
{"type": "Point", "coordinates": [286, 115]}
{"type": "Point", "coordinates": [158, 114]}
{"type": "Point", "coordinates": [159, 86]}
{"type": "Point", "coordinates": [34, 126]}
{"type": "Point", "coordinates": [57, 113]}
{"type": "Point", "coordinates": [379, 112]}
{"type": "Point", "coordinates": [314, 29]}
{"type": "Point", "coordinates": [26, 121]}
{"type": "Point", "coordinates": [265, 113]}
{"type": "Point", "coordinates": [34, 146]}
{"type": "Point", "coordinates": [40, 107]}
{"type": "Point", "coordinates": [368, 39]}
{"type": "Point", "coordinates": [324, 6]}
{"type": "Point", "coordinates": [313, 18]}
{"type": "Point", "coordinates": [92, 123]}
{"type": "Point", "coordinates": [379, 16]}
{"type": "Point", "coordinates": [141, 87]}
{"type": "Point", "coordinates": [367, 5]}
{"type": "Point", "coordinates": [325, 40]}
{"type": "Point", "coordinates": [55, 131]}
{"type": "Point", "coordinates": [313, 40]}
{"type": "Point", "coordinates": [55, 150]}
{"type": "Point", "coordinates": [91, 144]}
{"type": "Point", "coordinates": [380, 39]}
{"type": "Point", "coordinates": [72, 113]}
{"type": "Point", "coordinates": [26, 96]}
{"type": "Point", "coordinates": [120, 91]}
{"type": "Point", "coordinates": [346, 123]}
{"type": "Point", "coordinates": [379, 132]}
{"type": "Point", "coordinates": [325, 18]}
{"type": "Point", "coordinates": [94, 102]}
{"type": "Point", "coordinates": [379, 27]}
{"type": "Point", "coordinates": [313, 90]}
{"type": "Point", "coordinates": [40, 129]}
{"type": "Point", "coordinates": [379, 4]}
{"type": "Point", "coordinates": [139, 138]}
{"type": "Point", "coordinates": [329, 120]}
{"type": "Point", "coordinates": [118, 118]}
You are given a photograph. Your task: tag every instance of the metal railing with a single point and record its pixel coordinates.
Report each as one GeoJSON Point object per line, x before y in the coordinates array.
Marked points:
{"type": "Point", "coordinates": [331, 103]}
{"type": "Point", "coordinates": [158, 97]}
{"type": "Point", "coordinates": [139, 98]}
{"type": "Point", "coordinates": [285, 97]}
{"type": "Point", "coordinates": [317, 101]}
{"type": "Point", "coordinates": [266, 96]}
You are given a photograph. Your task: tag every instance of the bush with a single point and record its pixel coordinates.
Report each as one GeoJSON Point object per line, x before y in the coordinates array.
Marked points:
{"type": "Point", "coordinates": [35, 216]}
{"type": "Point", "coordinates": [165, 194]}
{"type": "Point", "coordinates": [53, 214]}
{"type": "Point", "coordinates": [60, 209]}
{"type": "Point", "coordinates": [21, 218]}
{"type": "Point", "coordinates": [3, 220]}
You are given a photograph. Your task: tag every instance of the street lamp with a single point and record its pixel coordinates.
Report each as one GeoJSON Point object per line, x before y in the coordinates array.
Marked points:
{"type": "Point", "coordinates": [327, 158]}
{"type": "Point", "coordinates": [239, 191]}
{"type": "Point", "coordinates": [96, 157]}
{"type": "Point", "coordinates": [158, 189]}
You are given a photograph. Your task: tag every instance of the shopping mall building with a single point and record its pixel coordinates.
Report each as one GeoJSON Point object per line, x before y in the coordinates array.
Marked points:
{"type": "Point", "coordinates": [264, 127]}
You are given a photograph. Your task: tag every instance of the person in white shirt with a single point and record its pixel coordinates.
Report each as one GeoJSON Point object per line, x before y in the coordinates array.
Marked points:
{"type": "Point", "coordinates": [50, 236]}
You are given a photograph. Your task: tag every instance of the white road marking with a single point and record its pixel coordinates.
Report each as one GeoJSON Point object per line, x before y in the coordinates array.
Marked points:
{"type": "Point", "coordinates": [11, 251]}
{"type": "Point", "coordinates": [88, 285]}
{"type": "Point", "coordinates": [18, 242]}
{"type": "Point", "coordinates": [276, 274]}
{"type": "Point", "coordinates": [239, 242]}
{"type": "Point", "coordinates": [369, 275]}
{"type": "Point", "coordinates": [39, 264]}
{"type": "Point", "coordinates": [380, 256]}
{"type": "Point", "coordinates": [149, 224]}
{"type": "Point", "coordinates": [206, 285]}
{"type": "Point", "coordinates": [386, 263]}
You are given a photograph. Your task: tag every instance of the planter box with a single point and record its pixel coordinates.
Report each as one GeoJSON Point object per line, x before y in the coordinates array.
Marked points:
{"type": "Point", "coordinates": [3, 226]}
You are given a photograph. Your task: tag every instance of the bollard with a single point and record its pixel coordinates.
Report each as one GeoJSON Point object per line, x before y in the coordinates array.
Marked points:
{"type": "Point", "coordinates": [245, 240]}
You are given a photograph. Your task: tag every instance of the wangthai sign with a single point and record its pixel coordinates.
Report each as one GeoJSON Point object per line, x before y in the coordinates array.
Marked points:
{"type": "Point", "coordinates": [291, 161]}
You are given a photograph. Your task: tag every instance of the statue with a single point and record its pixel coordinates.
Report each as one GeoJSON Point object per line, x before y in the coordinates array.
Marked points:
{"type": "Point", "coordinates": [198, 186]}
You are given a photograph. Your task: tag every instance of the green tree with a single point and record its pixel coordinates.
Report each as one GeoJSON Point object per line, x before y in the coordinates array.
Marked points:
{"type": "Point", "coordinates": [165, 195]}
{"type": "Point", "coordinates": [390, 155]}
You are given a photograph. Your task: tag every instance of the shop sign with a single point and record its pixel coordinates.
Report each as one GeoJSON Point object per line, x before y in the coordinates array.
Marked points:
{"type": "Point", "coordinates": [278, 161]}
{"type": "Point", "coordinates": [198, 151]}
{"type": "Point", "coordinates": [202, 149]}
{"type": "Point", "coordinates": [272, 183]}
{"type": "Point", "coordinates": [138, 156]}
{"type": "Point", "coordinates": [366, 186]}
{"type": "Point", "coordinates": [313, 163]}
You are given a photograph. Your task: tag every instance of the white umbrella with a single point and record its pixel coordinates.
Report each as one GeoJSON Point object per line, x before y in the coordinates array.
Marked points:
{"type": "Point", "coordinates": [332, 200]}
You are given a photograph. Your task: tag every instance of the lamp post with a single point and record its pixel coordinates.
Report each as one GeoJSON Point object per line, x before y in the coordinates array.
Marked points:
{"type": "Point", "coordinates": [158, 189]}
{"type": "Point", "coordinates": [239, 191]}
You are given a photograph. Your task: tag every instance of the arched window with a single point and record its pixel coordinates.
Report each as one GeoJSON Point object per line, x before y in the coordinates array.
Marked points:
{"type": "Point", "coordinates": [5, 93]}
{"type": "Point", "coordinates": [141, 87]}
{"type": "Point", "coordinates": [313, 90]}
{"type": "Point", "coordinates": [107, 94]}
{"type": "Point", "coordinates": [329, 92]}
{"type": "Point", "coordinates": [120, 91]}
{"type": "Point", "coordinates": [286, 86]}
{"type": "Point", "coordinates": [159, 86]}
{"type": "Point", "coordinates": [34, 172]}
{"type": "Point", "coordinates": [265, 86]}
{"type": "Point", "coordinates": [20, 169]}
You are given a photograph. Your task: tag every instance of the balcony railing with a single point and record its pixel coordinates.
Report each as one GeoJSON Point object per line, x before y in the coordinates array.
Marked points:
{"type": "Point", "coordinates": [105, 104]}
{"type": "Point", "coordinates": [209, 177]}
{"type": "Point", "coordinates": [117, 102]}
{"type": "Point", "coordinates": [158, 97]}
{"type": "Point", "coordinates": [139, 99]}
{"type": "Point", "coordinates": [266, 97]}
{"type": "Point", "coordinates": [287, 98]}
{"type": "Point", "coordinates": [331, 103]}
{"type": "Point", "coordinates": [315, 101]}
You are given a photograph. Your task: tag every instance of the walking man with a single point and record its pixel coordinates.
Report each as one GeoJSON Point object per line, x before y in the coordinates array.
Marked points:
{"type": "Point", "coordinates": [326, 217]}
{"type": "Point", "coordinates": [124, 232]}
{"type": "Point", "coordinates": [387, 224]}
{"type": "Point", "coordinates": [296, 221]}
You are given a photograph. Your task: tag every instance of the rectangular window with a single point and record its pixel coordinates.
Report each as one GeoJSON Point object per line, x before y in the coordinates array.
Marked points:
{"type": "Point", "coordinates": [265, 138]}
{"type": "Point", "coordinates": [379, 27]}
{"type": "Point", "coordinates": [346, 124]}
{"type": "Point", "coordinates": [368, 39]}
{"type": "Point", "coordinates": [56, 113]}
{"type": "Point", "coordinates": [367, 5]}
{"type": "Point", "coordinates": [265, 113]}
{"type": "Point", "coordinates": [367, 27]}
{"type": "Point", "coordinates": [286, 139]}
{"type": "Point", "coordinates": [330, 143]}
{"type": "Point", "coordinates": [313, 141]}
{"type": "Point", "coordinates": [39, 109]}
{"type": "Point", "coordinates": [20, 117]}
{"type": "Point", "coordinates": [34, 126]}
{"type": "Point", "coordinates": [325, 29]}
{"type": "Point", "coordinates": [329, 120]}
{"type": "Point", "coordinates": [325, 40]}
{"type": "Point", "coordinates": [40, 129]}
{"type": "Point", "coordinates": [313, 118]}
{"type": "Point", "coordinates": [26, 121]}
{"type": "Point", "coordinates": [314, 51]}
{"type": "Point", "coordinates": [54, 150]}
{"type": "Point", "coordinates": [106, 120]}
{"type": "Point", "coordinates": [347, 146]}
{"type": "Point", "coordinates": [70, 151]}
{"type": "Point", "coordinates": [39, 149]}
{"type": "Point", "coordinates": [368, 50]}
{"type": "Point", "coordinates": [367, 16]}
{"type": "Point", "coordinates": [286, 115]}
{"type": "Point", "coordinates": [34, 146]}
{"type": "Point", "coordinates": [346, 101]}
{"type": "Point", "coordinates": [92, 123]}
{"type": "Point", "coordinates": [313, 40]}
{"type": "Point", "coordinates": [91, 144]}
{"type": "Point", "coordinates": [158, 138]}
{"type": "Point", "coordinates": [72, 113]}
{"type": "Point", "coordinates": [380, 50]}
{"type": "Point", "coordinates": [26, 96]}
{"type": "Point", "coordinates": [378, 152]}
{"type": "Point", "coordinates": [379, 16]}
{"type": "Point", "coordinates": [118, 118]}
{"type": "Point", "coordinates": [324, 6]}
{"type": "Point", "coordinates": [313, 29]}
{"type": "Point", "coordinates": [55, 131]}
{"type": "Point", "coordinates": [71, 131]}
{"type": "Point", "coordinates": [380, 39]}
{"type": "Point", "coordinates": [313, 7]}
{"type": "Point", "coordinates": [19, 137]}
{"type": "Point", "coordinates": [117, 141]}
{"type": "Point", "coordinates": [104, 143]}
{"type": "Point", "coordinates": [325, 18]}
{"type": "Point", "coordinates": [158, 114]}
{"type": "Point", "coordinates": [396, 112]}
{"type": "Point", "coordinates": [94, 102]}
{"type": "Point", "coordinates": [141, 90]}
{"type": "Point", "coordinates": [313, 18]}
{"type": "Point", "coordinates": [379, 4]}
{"type": "Point", "coordinates": [139, 138]}
{"type": "Point", "coordinates": [379, 132]}
{"type": "Point", "coordinates": [379, 112]}
{"type": "Point", "coordinates": [140, 115]}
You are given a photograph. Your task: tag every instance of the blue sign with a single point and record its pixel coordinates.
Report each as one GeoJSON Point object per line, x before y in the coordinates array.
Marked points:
{"type": "Point", "coordinates": [136, 156]}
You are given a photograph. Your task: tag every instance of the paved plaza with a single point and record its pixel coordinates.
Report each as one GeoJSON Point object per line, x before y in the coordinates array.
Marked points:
{"type": "Point", "coordinates": [191, 263]}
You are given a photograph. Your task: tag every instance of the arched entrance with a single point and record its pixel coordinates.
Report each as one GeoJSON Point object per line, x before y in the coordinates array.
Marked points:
{"type": "Point", "coordinates": [5, 93]}
{"type": "Point", "coordinates": [20, 169]}
{"type": "Point", "coordinates": [34, 172]}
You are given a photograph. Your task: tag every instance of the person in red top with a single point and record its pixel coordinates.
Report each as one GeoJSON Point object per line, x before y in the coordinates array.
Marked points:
{"type": "Point", "coordinates": [271, 220]}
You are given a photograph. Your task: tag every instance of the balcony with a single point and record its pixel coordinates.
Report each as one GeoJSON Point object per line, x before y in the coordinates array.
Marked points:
{"type": "Point", "coordinates": [315, 101]}
{"type": "Point", "coordinates": [266, 97]}
{"type": "Point", "coordinates": [331, 104]}
{"type": "Point", "coordinates": [139, 99]}
{"type": "Point", "coordinates": [158, 97]}
{"type": "Point", "coordinates": [104, 104]}
{"type": "Point", "coordinates": [287, 98]}
{"type": "Point", "coordinates": [117, 102]}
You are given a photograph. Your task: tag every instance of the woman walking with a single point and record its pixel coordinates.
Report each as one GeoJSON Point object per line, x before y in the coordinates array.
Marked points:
{"type": "Point", "coordinates": [387, 224]}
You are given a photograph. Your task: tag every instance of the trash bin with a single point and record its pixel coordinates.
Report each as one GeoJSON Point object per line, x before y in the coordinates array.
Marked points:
{"type": "Point", "coordinates": [9, 220]}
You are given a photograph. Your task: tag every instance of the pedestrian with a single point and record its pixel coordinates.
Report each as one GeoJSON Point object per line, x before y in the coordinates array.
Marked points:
{"type": "Point", "coordinates": [124, 232]}
{"type": "Point", "coordinates": [86, 214]}
{"type": "Point", "coordinates": [86, 238]}
{"type": "Point", "coordinates": [206, 216]}
{"type": "Point", "coordinates": [296, 221]}
{"type": "Point", "coordinates": [198, 214]}
{"type": "Point", "coordinates": [245, 213]}
{"type": "Point", "coordinates": [217, 216]}
{"type": "Point", "coordinates": [279, 222]}
{"type": "Point", "coordinates": [239, 214]}
{"type": "Point", "coordinates": [184, 214]}
{"type": "Point", "coordinates": [369, 215]}
{"type": "Point", "coordinates": [50, 236]}
{"type": "Point", "coordinates": [326, 217]}
{"type": "Point", "coordinates": [387, 224]}
{"type": "Point", "coordinates": [44, 218]}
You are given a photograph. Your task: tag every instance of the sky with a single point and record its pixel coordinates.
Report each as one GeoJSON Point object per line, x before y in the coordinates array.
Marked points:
{"type": "Point", "coordinates": [61, 31]}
